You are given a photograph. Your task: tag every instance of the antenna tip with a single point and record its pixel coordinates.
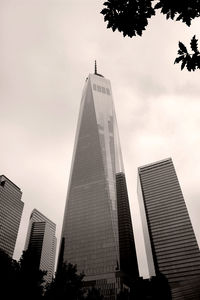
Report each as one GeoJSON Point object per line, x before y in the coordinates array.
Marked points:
{"type": "Point", "coordinates": [95, 67]}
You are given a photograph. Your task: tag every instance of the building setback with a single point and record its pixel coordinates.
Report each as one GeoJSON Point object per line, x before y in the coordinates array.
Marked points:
{"type": "Point", "coordinates": [41, 239]}
{"type": "Point", "coordinates": [11, 208]}
{"type": "Point", "coordinates": [97, 231]}
{"type": "Point", "coordinates": [170, 241]}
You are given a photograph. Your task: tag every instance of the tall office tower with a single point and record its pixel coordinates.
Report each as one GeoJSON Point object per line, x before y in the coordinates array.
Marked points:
{"type": "Point", "coordinates": [97, 231]}
{"type": "Point", "coordinates": [11, 208]}
{"type": "Point", "coordinates": [171, 245]}
{"type": "Point", "coordinates": [42, 241]}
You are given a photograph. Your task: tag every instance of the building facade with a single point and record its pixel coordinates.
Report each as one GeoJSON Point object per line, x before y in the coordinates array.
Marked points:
{"type": "Point", "coordinates": [97, 231]}
{"type": "Point", "coordinates": [42, 241]}
{"type": "Point", "coordinates": [170, 241]}
{"type": "Point", "coordinates": [11, 208]}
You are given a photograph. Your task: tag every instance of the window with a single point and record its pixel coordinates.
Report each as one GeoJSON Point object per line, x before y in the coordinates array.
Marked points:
{"type": "Point", "coordinates": [107, 91]}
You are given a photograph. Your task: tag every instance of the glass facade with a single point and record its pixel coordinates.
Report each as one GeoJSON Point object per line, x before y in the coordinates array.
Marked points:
{"type": "Point", "coordinates": [90, 234]}
{"type": "Point", "coordinates": [41, 239]}
{"type": "Point", "coordinates": [171, 244]}
{"type": "Point", "coordinates": [11, 208]}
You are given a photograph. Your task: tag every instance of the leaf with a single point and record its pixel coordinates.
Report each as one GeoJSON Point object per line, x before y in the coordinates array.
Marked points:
{"type": "Point", "coordinates": [187, 21]}
{"type": "Point", "coordinates": [173, 14]}
{"type": "Point", "coordinates": [183, 64]}
{"type": "Point", "coordinates": [193, 44]}
{"type": "Point", "coordinates": [189, 64]}
{"type": "Point", "coordinates": [198, 62]}
{"type": "Point", "coordinates": [179, 17]}
{"type": "Point", "coordinates": [104, 11]}
{"type": "Point", "coordinates": [182, 47]}
{"type": "Point", "coordinates": [180, 52]}
{"type": "Point", "coordinates": [178, 59]}
{"type": "Point", "coordinates": [158, 5]}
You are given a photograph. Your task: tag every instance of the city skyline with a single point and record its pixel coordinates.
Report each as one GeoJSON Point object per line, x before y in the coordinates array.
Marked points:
{"type": "Point", "coordinates": [44, 66]}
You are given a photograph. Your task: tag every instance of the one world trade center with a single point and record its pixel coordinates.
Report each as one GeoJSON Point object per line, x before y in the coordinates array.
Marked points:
{"type": "Point", "coordinates": [97, 232]}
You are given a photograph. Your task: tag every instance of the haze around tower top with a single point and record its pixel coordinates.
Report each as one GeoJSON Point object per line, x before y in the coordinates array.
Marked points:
{"type": "Point", "coordinates": [47, 50]}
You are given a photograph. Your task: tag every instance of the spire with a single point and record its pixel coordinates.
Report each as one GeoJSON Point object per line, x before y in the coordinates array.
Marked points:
{"type": "Point", "coordinates": [95, 67]}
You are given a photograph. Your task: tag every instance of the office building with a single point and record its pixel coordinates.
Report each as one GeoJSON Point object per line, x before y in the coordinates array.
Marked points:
{"type": "Point", "coordinates": [97, 230]}
{"type": "Point", "coordinates": [42, 241]}
{"type": "Point", "coordinates": [11, 208]}
{"type": "Point", "coordinates": [170, 241]}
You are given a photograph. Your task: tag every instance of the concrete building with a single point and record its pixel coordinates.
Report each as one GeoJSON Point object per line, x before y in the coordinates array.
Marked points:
{"type": "Point", "coordinates": [170, 241]}
{"type": "Point", "coordinates": [11, 208]}
{"type": "Point", "coordinates": [41, 239]}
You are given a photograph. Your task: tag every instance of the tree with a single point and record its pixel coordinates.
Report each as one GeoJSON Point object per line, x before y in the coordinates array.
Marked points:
{"type": "Point", "coordinates": [21, 280]}
{"type": "Point", "coordinates": [154, 288]}
{"type": "Point", "coordinates": [160, 288]}
{"type": "Point", "coordinates": [31, 278]}
{"type": "Point", "coordinates": [67, 284]}
{"type": "Point", "coordinates": [131, 18]}
{"type": "Point", "coordinates": [124, 295]}
{"type": "Point", "coordinates": [8, 276]}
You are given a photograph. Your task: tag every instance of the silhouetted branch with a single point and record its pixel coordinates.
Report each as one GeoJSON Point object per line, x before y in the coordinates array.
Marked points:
{"type": "Point", "coordinates": [131, 18]}
{"type": "Point", "coordinates": [190, 60]}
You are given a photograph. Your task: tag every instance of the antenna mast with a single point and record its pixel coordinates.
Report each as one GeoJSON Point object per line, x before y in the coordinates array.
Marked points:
{"type": "Point", "coordinates": [95, 67]}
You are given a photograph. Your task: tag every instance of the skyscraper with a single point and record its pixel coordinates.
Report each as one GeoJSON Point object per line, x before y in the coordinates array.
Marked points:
{"type": "Point", "coordinates": [97, 231]}
{"type": "Point", "coordinates": [11, 208]}
{"type": "Point", "coordinates": [171, 245]}
{"type": "Point", "coordinates": [42, 241]}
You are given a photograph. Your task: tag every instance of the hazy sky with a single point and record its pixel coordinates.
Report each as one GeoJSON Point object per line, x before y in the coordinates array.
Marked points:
{"type": "Point", "coordinates": [47, 49]}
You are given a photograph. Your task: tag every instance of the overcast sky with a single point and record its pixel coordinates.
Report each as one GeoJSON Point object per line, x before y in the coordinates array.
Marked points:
{"type": "Point", "coordinates": [47, 49]}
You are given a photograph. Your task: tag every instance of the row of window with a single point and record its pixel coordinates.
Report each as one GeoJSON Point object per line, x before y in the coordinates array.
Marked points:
{"type": "Point", "coordinates": [101, 89]}
{"type": "Point", "coordinates": [156, 166]}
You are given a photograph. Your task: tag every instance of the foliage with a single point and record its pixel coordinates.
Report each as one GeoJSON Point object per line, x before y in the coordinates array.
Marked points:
{"type": "Point", "coordinates": [31, 278]}
{"type": "Point", "coordinates": [67, 284]}
{"type": "Point", "coordinates": [124, 295]}
{"type": "Point", "coordinates": [187, 11]}
{"type": "Point", "coordinates": [191, 61]}
{"type": "Point", "coordinates": [155, 288]}
{"type": "Point", "coordinates": [21, 280]}
{"type": "Point", "coordinates": [8, 275]}
{"type": "Point", "coordinates": [131, 18]}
